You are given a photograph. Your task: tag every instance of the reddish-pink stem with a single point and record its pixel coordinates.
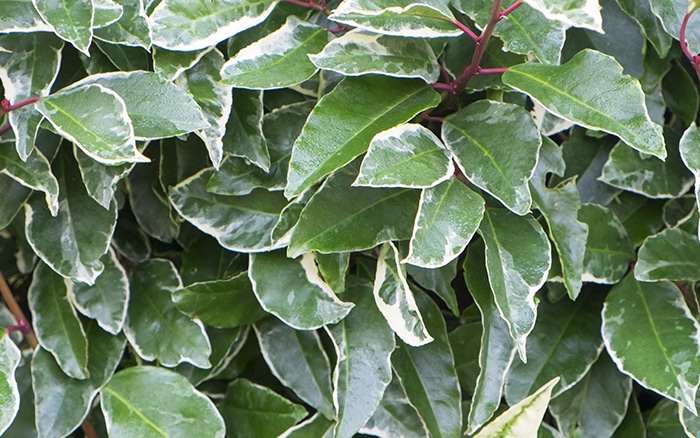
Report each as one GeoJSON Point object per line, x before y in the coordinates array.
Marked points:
{"type": "Point", "coordinates": [492, 71]}
{"type": "Point", "coordinates": [5, 128]}
{"type": "Point", "coordinates": [510, 9]}
{"type": "Point", "coordinates": [308, 4]}
{"type": "Point", "coordinates": [694, 60]}
{"type": "Point", "coordinates": [6, 106]}
{"type": "Point", "coordinates": [466, 30]}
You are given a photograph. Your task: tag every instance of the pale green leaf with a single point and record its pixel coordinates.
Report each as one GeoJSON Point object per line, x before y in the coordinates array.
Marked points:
{"type": "Point", "coordinates": [239, 223]}
{"type": "Point", "coordinates": [481, 138]}
{"type": "Point", "coordinates": [341, 218]}
{"type": "Point", "coordinates": [316, 426]}
{"type": "Point", "coordinates": [252, 410]}
{"type": "Point", "coordinates": [69, 19]}
{"type": "Point", "coordinates": [416, 19]}
{"type": "Point", "coordinates": [590, 90]}
{"type": "Point", "coordinates": [225, 345]}
{"type": "Point", "coordinates": [244, 131]}
{"type": "Point", "coordinates": [394, 298]}
{"type": "Point", "coordinates": [100, 180]}
{"type": "Point", "coordinates": [651, 25]}
{"type": "Point", "coordinates": [672, 255]}
{"type": "Point", "coordinates": [690, 154]}
{"type": "Point", "coordinates": [439, 281]}
{"type": "Point", "coordinates": [166, 110]}
{"type": "Point", "coordinates": [298, 360]}
{"type": "Point", "coordinates": [408, 155]}
{"type": "Point", "coordinates": [102, 128]}
{"type": "Point", "coordinates": [574, 13]}
{"type": "Point", "coordinates": [56, 322]}
{"type": "Point", "coordinates": [333, 268]}
{"type": "Point", "coordinates": [448, 216]}
{"type": "Point", "coordinates": [427, 374]}
{"type": "Point", "coordinates": [132, 27]}
{"type": "Point", "coordinates": [14, 196]}
{"type": "Point", "coordinates": [395, 416]}
{"type": "Point", "coordinates": [106, 301]}
{"type": "Point", "coordinates": [671, 13]}
{"type": "Point", "coordinates": [10, 357]}
{"type": "Point", "coordinates": [106, 13]}
{"type": "Point", "coordinates": [522, 419]}
{"type": "Point", "coordinates": [183, 26]}
{"type": "Point", "coordinates": [83, 227]}
{"type": "Point", "coordinates": [21, 16]}
{"type": "Point", "coordinates": [34, 172]}
{"type": "Point", "coordinates": [61, 402]}
{"type": "Point", "coordinates": [518, 259]}
{"type": "Point", "coordinates": [220, 303]}
{"type": "Point", "coordinates": [154, 326]}
{"type": "Point", "coordinates": [131, 409]}
{"type": "Point", "coordinates": [279, 59]}
{"type": "Point", "coordinates": [363, 344]}
{"type": "Point", "coordinates": [293, 291]}
{"type": "Point", "coordinates": [171, 64]}
{"type": "Point", "coordinates": [360, 52]}
{"type": "Point", "coordinates": [652, 337]}
{"type": "Point", "coordinates": [325, 145]}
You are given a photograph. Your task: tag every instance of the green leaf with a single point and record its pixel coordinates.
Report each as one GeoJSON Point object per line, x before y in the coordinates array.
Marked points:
{"type": "Point", "coordinates": [61, 402]}
{"type": "Point", "coordinates": [341, 218]}
{"type": "Point", "coordinates": [597, 404]}
{"type": "Point", "coordinates": [253, 410]}
{"type": "Point", "coordinates": [680, 94]}
{"type": "Point", "coordinates": [480, 137]}
{"type": "Point", "coordinates": [130, 408]}
{"type": "Point", "coordinates": [633, 423]}
{"type": "Point", "coordinates": [34, 172]}
{"type": "Point", "coordinates": [154, 326]}
{"type": "Point", "coordinates": [415, 19]}
{"type": "Point", "coordinates": [439, 281]}
{"type": "Point", "coordinates": [448, 216]}
{"type": "Point", "coordinates": [560, 206]}
{"type": "Point", "coordinates": [395, 416]}
{"type": "Point", "coordinates": [651, 335]}
{"type": "Point", "coordinates": [325, 146]}
{"type": "Point", "coordinates": [106, 301]}
{"type": "Point", "coordinates": [165, 111]}
{"type": "Point", "coordinates": [220, 303]}
{"type": "Point", "coordinates": [690, 154]}
{"type": "Point", "coordinates": [131, 29]}
{"type": "Point", "coordinates": [427, 374]}
{"type": "Point", "coordinates": [99, 179]}
{"type": "Point", "coordinates": [497, 349]}
{"type": "Point", "coordinates": [170, 64]}
{"type": "Point", "coordinates": [298, 360]}
{"type": "Point", "coordinates": [279, 59]}
{"type": "Point", "coordinates": [29, 68]}
{"type": "Point", "coordinates": [82, 226]}
{"type": "Point", "coordinates": [183, 26]}
{"type": "Point", "coordinates": [363, 344]}
{"type": "Point", "coordinates": [395, 300]}
{"type": "Point", "coordinates": [106, 134]}
{"type": "Point", "coordinates": [672, 255]}
{"type": "Point", "coordinates": [590, 90]}
{"type": "Point", "coordinates": [671, 13]}
{"type": "Point", "coordinates": [205, 260]}
{"type": "Point", "coordinates": [238, 223]}
{"type": "Point", "coordinates": [56, 323]}
{"type": "Point", "coordinates": [333, 268]}
{"type": "Point", "coordinates": [69, 19]}
{"type": "Point", "coordinates": [10, 357]}
{"type": "Point", "coordinates": [360, 52]}
{"type": "Point", "coordinates": [106, 13]}
{"type": "Point", "coordinates": [225, 344]}
{"type": "Point", "coordinates": [244, 131]}
{"type": "Point", "coordinates": [565, 343]}
{"type": "Point", "coordinates": [608, 249]}
{"type": "Point", "coordinates": [641, 12]}
{"type": "Point", "coordinates": [21, 16]}
{"type": "Point", "coordinates": [14, 196]}
{"type": "Point", "coordinates": [584, 14]}
{"type": "Point", "coordinates": [307, 302]}
{"type": "Point", "coordinates": [316, 426]}
{"type": "Point", "coordinates": [518, 259]}
{"type": "Point", "coordinates": [408, 155]}
{"type": "Point", "coordinates": [522, 419]}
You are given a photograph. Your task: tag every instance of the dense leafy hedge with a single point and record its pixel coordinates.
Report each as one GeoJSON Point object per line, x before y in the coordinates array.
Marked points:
{"type": "Point", "coordinates": [257, 218]}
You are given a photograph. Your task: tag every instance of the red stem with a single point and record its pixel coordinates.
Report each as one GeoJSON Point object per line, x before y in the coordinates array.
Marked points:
{"type": "Point", "coordinates": [467, 31]}
{"type": "Point", "coordinates": [6, 107]}
{"type": "Point", "coordinates": [308, 4]}
{"type": "Point", "coordinates": [492, 71]}
{"type": "Point", "coordinates": [694, 60]}
{"type": "Point", "coordinates": [510, 9]}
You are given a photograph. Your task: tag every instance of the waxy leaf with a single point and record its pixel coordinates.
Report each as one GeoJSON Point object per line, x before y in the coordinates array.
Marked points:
{"type": "Point", "coordinates": [106, 12]}
{"type": "Point", "coordinates": [671, 14]}
{"type": "Point", "coordinates": [363, 344]}
{"type": "Point", "coordinates": [395, 416]}
{"type": "Point", "coordinates": [256, 411]}
{"type": "Point", "coordinates": [239, 223]}
{"type": "Point", "coordinates": [407, 155]}
{"type": "Point", "coordinates": [220, 303]}
{"type": "Point", "coordinates": [518, 258]}
{"type": "Point", "coordinates": [293, 291]}
{"type": "Point", "coordinates": [154, 326]}
{"type": "Point", "coordinates": [359, 52]}
{"type": "Point", "coordinates": [672, 255]}
{"type": "Point", "coordinates": [448, 216]}
{"type": "Point", "coordinates": [183, 26]}
{"type": "Point", "coordinates": [584, 13]}
{"type": "Point", "coordinates": [165, 111]}
{"type": "Point", "coordinates": [99, 179]}
{"type": "Point", "coordinates": [325, 146]}
{"type": "Point", "coordinates": [278, 60]}
{"type": "Point", "coordinates": [61, 402]}
{"type": "Point", "coordinates": [10, 357]}
{"type": "Point", "coordinates": [652, 337]}
{"type": "Point", "coordinates": [650, 23]}
{"type": "Point", "coordinates": [522, 419]}
{"type": "Point", "coordinates": [298, 360]}
{"type": "Point", "coordinates": [317, 426]}
{"type": "Point", "coordinates": [439, 281]}
{"type": "Point", "coordinates": [590, 90]}
{"type": "Point", "coordinates": [244, 131]}
{"type": "Point", "coordinates": [56, 323]}
{"type": "Point", "coordinates": [34, 173]}
{"type": "Point", "coordinates": [341, 218]}
{"type": "Point", "coordinates": [431, 366]}
{"type": "Point", "coordinates": [70, 19]}
{"type": "Point", "coordinates": [690, 154]}
{"type": "Point", "coordinates": [102, 128]}
{"type": "Point", "coordinates": [395, 300]}
{"type": "Point", "coordinates": [130, 409]}
{"type": "Point", "coordinates": [14, 197]}
{"type": "Point", "coordinates": [481, 138]}
{"type": "Point", "coordinates": [21, 16]}
{"type": "Point", "coordinates": [170, 64]}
